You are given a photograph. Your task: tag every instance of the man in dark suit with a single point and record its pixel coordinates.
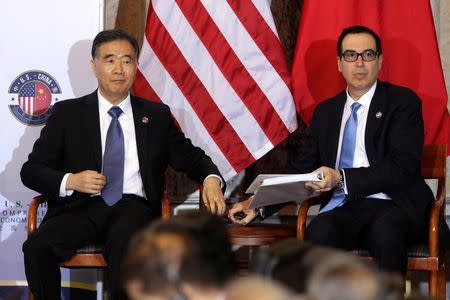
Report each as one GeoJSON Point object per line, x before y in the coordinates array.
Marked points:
{"type": "Point", "coordinates": [100, 161]}
{"type": "Point", "coordinates": [367, 142]}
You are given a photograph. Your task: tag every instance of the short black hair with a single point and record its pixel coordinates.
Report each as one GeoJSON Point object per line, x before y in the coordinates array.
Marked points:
{"type": "Point", "coordinates": [355, 30]}
{"type": "Point", "coordinates": [206, 260]}
{"type": "Point", "coordinates": [209, 246]}
{"type": "Point", "coordinates": [110, 35]}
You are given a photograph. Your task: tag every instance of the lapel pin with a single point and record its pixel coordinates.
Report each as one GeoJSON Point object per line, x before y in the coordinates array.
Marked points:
{"type": "Point", "coordinates": [378, 114]}
{"type": "Point", "coordinates": [144, 120]}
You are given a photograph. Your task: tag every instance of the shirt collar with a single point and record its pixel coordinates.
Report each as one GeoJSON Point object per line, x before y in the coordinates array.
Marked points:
{"type": "Point", "coordinates": [104, 105]}
{"type": "Point", "coordinates": [364, 100]}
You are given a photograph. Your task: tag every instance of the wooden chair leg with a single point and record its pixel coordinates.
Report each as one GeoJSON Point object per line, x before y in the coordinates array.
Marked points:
{"type": "Point", "coordinates": [442, 281]}
{"type": "Point", "coordinates": [433, 284]}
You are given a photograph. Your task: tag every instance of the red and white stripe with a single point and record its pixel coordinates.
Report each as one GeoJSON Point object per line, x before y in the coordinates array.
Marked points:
{"type": "Point", "coordinates": [27, 104]}
{"type": "Point", "coordinates": [220, 67]}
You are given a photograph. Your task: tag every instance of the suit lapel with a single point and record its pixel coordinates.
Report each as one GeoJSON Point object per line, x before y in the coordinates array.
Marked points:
{"type": "Point", "coordinates": [142, 127]}
{"type": "Point", "coordinates": [375, 116]}
{"type": "Point", "coordinates": [91, 122]}
{"type": "Point", "coordinates": [335, 122]}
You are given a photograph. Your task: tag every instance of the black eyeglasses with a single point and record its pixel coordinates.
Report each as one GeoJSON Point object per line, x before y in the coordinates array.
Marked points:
{"type": "Point", "coordinates": [366, 55]}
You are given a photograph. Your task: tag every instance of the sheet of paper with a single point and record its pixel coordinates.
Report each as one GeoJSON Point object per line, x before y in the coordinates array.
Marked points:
{"type": "Point", "coordinates": [274, 188]}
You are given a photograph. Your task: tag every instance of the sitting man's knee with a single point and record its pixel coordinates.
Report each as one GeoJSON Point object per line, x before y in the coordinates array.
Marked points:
{"type": "Point", "coordinates": [35, 247]}
{"type": "Point", "coordinates": [381, 233]}
{"type": "Point", "coordinates": [322, 233]}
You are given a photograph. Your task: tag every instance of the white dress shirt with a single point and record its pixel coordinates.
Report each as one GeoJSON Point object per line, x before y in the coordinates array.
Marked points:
{"type": "Point", "coordinates": [360, 158]}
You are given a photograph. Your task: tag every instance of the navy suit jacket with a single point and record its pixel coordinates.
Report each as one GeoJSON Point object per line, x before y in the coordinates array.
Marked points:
{"type": "Point", "coordinates": [70, 142]}
{"type": "Point", "coordinates": [393, 141]}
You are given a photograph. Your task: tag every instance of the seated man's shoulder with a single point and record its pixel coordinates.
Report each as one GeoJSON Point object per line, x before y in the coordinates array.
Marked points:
{"type": "Point", "coordinates": [69, 105]}
{"type": "Point", "coordinates": [151, 104]}
{"type": "Point", "coordinates": [330, 103]}
{"type": "Point", "coordinates": [397, 90]}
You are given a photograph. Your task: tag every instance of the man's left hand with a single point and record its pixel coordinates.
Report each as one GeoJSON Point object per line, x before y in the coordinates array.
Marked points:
{"type": "Point", "coordinates": [212, 196]}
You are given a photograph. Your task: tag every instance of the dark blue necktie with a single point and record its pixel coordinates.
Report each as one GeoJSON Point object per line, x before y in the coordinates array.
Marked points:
{"type": "Point", "coordinates": [347, 155]}
{"type": "Point", "coordinates": [113, 159]}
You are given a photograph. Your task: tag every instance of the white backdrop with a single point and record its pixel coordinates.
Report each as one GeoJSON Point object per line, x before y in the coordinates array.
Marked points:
{"type": "Point", "coordinates": [45, 46]}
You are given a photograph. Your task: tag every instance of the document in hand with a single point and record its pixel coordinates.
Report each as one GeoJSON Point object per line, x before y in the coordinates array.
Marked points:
{"type": "Point", "coordinates": [271, 189]}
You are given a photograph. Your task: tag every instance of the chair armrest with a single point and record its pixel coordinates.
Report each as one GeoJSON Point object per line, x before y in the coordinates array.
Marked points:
{"type": "Point", "coordinates": [32, 213]}
{"type": "Point", "coordinates": [303, 215]}
{"type": "Point", "coordinates": [165, 206]}
{"type": "Point", "coordinates": [435, 212]}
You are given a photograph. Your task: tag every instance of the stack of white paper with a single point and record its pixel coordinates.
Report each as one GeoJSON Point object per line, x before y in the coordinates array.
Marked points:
{"type": "Point", "coordinates": [277, 188]}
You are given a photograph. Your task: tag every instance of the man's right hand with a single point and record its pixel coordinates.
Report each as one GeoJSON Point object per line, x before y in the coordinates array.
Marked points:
{"type": "Point", "coordinates": [250, 213]}
{"type": "Point", "coordinates": [89, 182]}
{"type": "Point", "coordinates": [330, 179]}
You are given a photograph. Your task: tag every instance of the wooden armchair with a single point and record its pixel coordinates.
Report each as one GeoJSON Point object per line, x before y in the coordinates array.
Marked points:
{"type": "Point", "coordinates": [87, 257]}
{"type": "Point", "coordinates": [422, 257]}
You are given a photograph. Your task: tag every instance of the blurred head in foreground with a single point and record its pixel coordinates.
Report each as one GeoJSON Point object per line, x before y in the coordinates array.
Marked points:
{"type": "Point", "coordinates": [186, 257]}
{"type": "Point", "coordinates": [324, 273]}
{"type": "Point", "coordinates": [258, 288]}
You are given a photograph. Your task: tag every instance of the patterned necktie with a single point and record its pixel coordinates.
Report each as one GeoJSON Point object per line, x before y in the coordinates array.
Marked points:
{"type": "Point", "coordinates": [113, 159]}
{"type": "Point", "coordinates": [347, 155]}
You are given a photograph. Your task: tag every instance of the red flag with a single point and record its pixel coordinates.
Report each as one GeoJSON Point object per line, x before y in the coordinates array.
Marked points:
{"type": "Point", "coordinates": [43, 98]}
{"type": "Point", "coordinates": [410, 54]}
{"type": "Point", "coordinates": [220, 67]}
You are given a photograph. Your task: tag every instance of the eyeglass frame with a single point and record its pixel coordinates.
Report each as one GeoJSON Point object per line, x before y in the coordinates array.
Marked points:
{"type": "Point", "coordinates": [358, 54]}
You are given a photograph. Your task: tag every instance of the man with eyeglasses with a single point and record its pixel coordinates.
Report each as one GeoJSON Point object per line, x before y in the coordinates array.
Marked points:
{"type": "Point", "coordinates": [367, 142]}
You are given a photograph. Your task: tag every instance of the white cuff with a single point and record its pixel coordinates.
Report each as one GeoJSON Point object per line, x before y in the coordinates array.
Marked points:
{"type": "Point", "coordinates": [345, 182]}
{"type": "Point", "coordinates": [215, 176]}
{"type": "Point", "coordinates": [63, 192]}
{"type": "Point", "coordinates": [262, 212]}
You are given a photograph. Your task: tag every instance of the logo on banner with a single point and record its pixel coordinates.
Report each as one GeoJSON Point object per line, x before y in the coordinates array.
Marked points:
{"type": "Point", "coordinates": [33, 96]}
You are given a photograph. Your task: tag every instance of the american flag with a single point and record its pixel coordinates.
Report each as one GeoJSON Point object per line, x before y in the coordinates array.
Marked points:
{"type": "Point", "coordinates": [34, 98]}
{"type": "Point", "coordinates": [220, 67]}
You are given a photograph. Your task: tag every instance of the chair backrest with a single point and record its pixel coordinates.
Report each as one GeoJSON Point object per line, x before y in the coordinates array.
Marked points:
{"type": "Point", "coordinates": [434, 165]}
{"type": "Point", "coordinates": [434, 161]}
